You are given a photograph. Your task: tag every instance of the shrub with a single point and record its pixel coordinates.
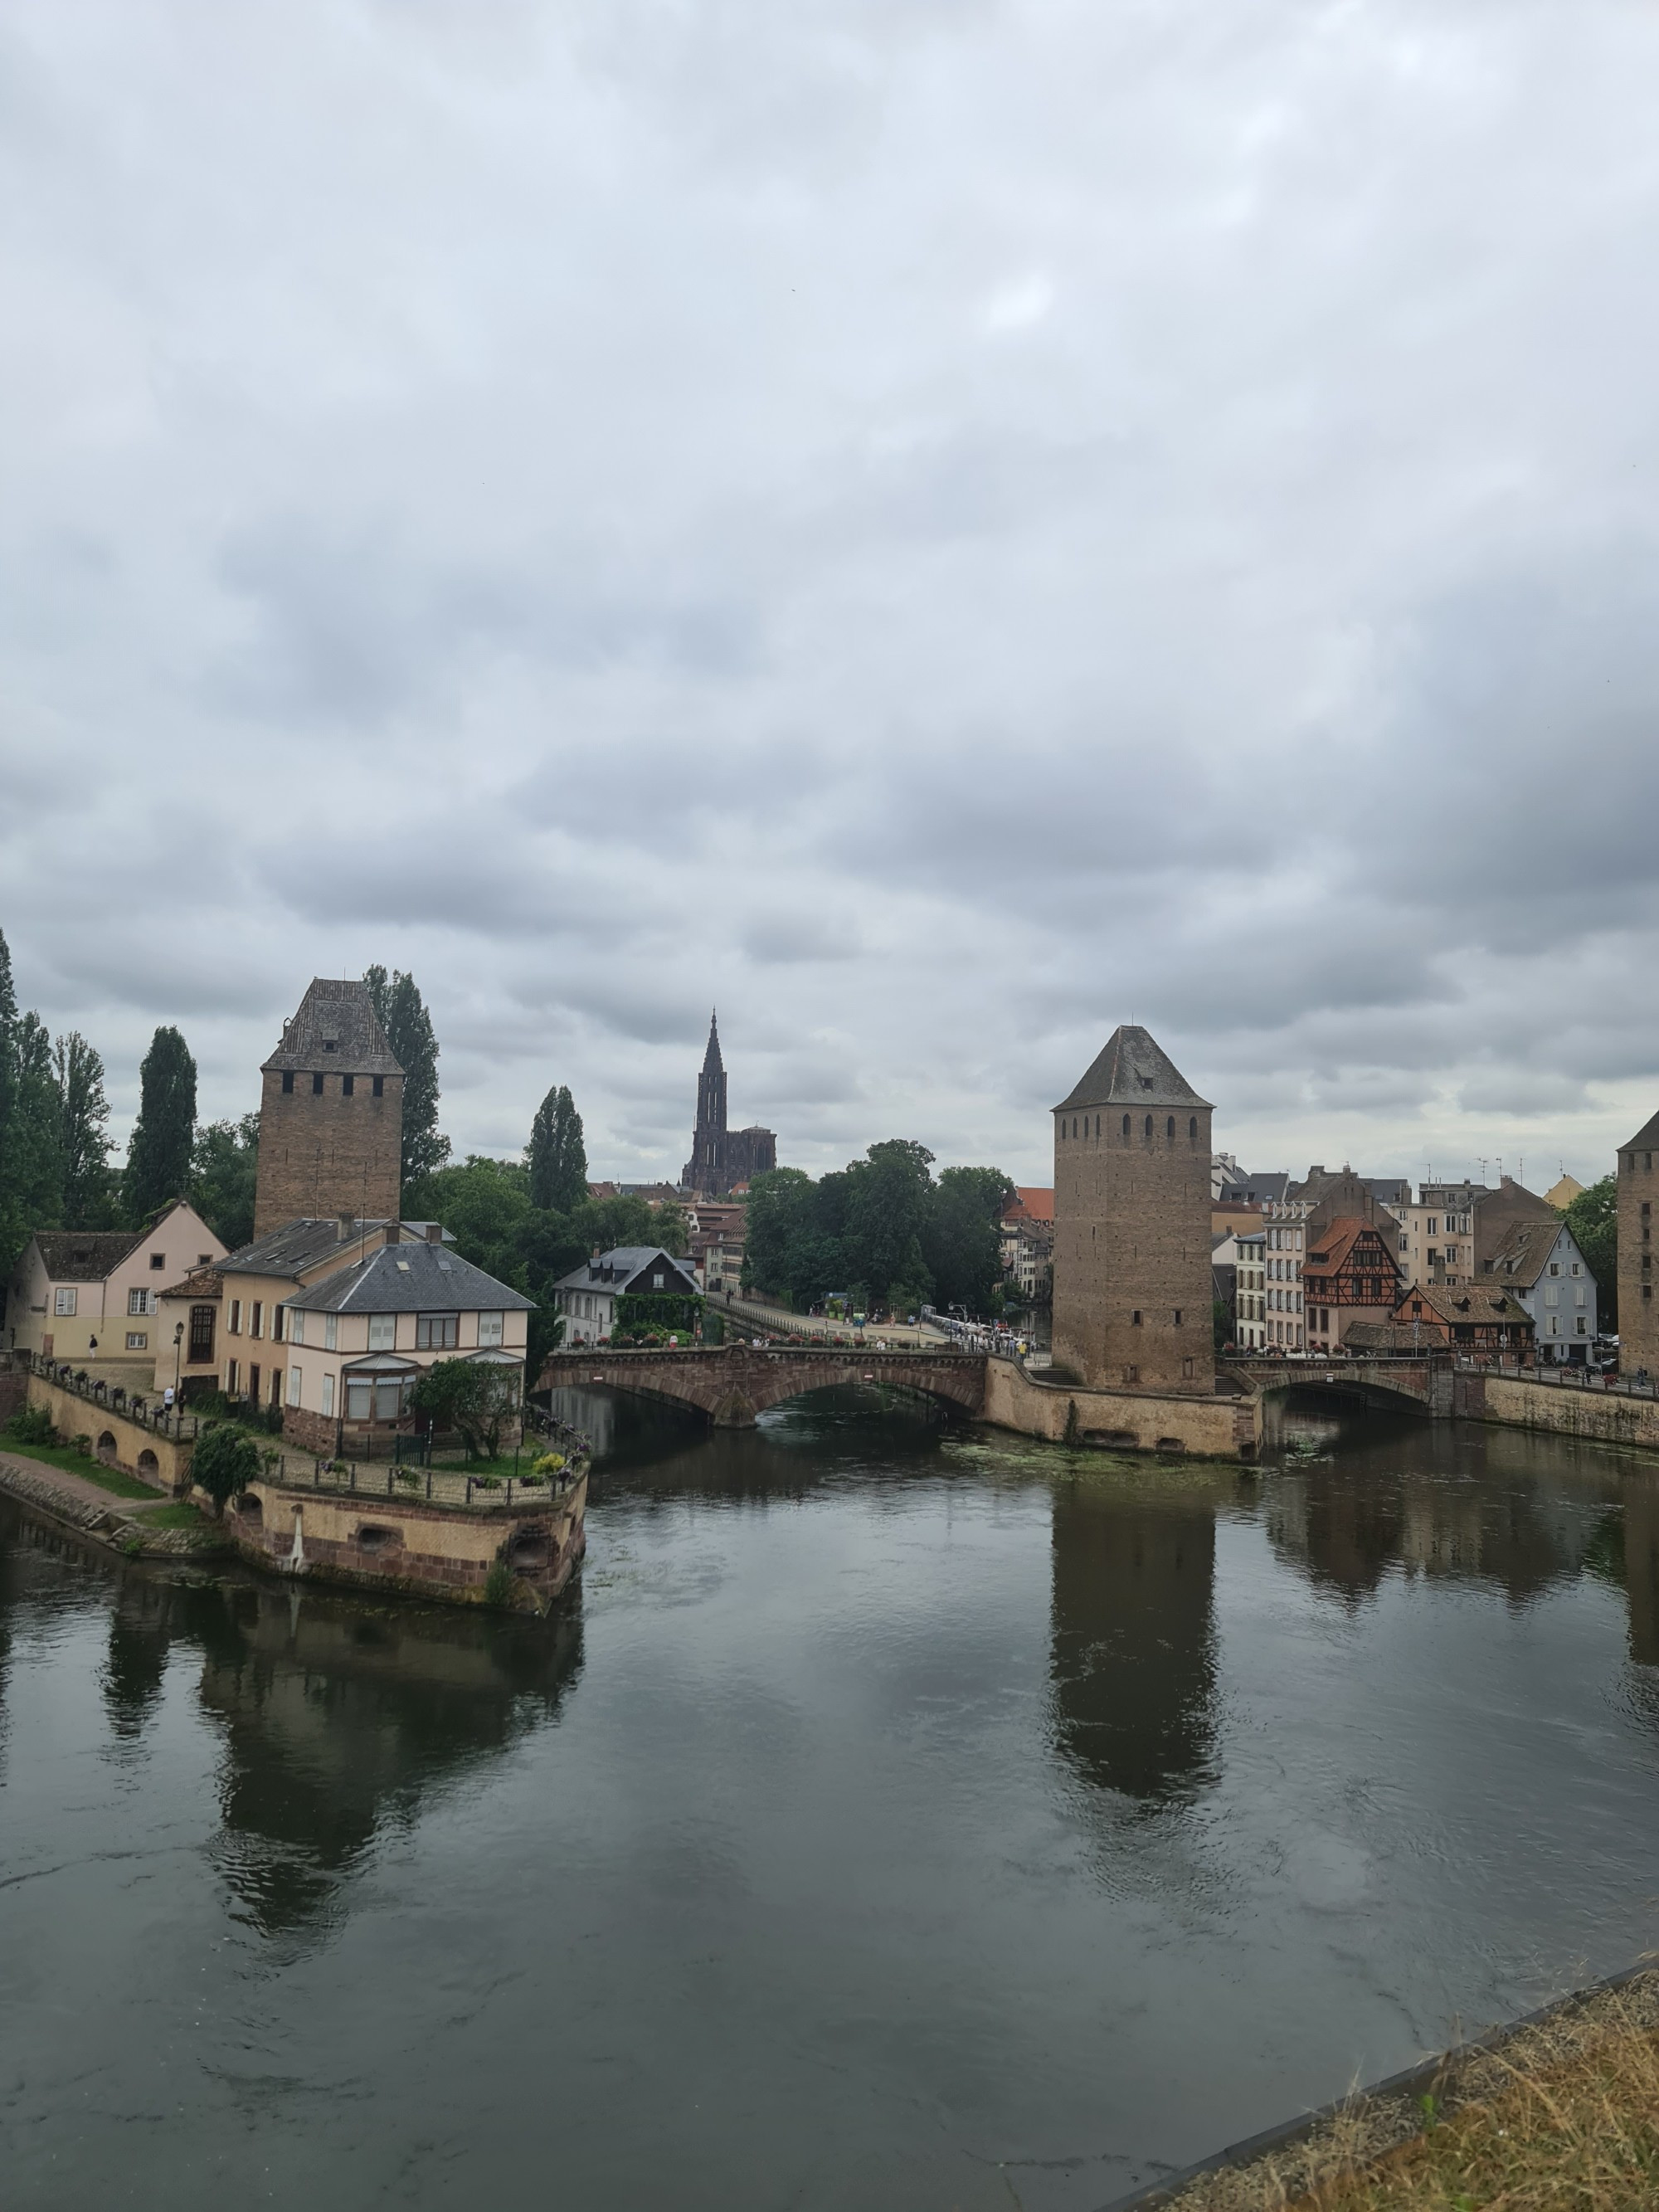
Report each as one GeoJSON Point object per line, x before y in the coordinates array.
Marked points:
{"type": "Point", "coordinates": [32, 1424]}
{"type": "Point", "coordinates": [83, 1445]}
{"type": "Point", "coordinates": [549, 1463]}
{"type": "Point", "coordinates": [410, 1478]}
{"type": "Point", "coordinates": [498, 1585]}
{"type": "Point", "coordinates": [224, 1461]}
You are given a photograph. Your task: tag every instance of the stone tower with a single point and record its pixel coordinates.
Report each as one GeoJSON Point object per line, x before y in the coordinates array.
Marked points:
{"type": "Point", "coordinates": [1639, 1187]}
{"type": "Point", "coordinates": [331, 1114]}
{"type": "Point", "coordinates": [1133, 1292]}
{"type": "Point", "coordinates": [721, 1157]}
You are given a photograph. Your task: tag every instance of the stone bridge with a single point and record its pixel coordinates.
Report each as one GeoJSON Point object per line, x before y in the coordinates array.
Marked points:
{"type": "Point", "coordinates": [1429, 1386]}
{"type": "Point", "coordinates": [731, 1383]}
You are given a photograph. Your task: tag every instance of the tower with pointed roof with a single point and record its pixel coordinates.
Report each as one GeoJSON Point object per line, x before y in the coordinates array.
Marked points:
{"type": "Point", "coordinates": [1638, 1309]}
{"type": "Point", "coordinates": [331, 1114]}
{"type": "Point", "coordinates": [1133, 1293]}
{"type": "Point", "coordinates": [722, 1158]}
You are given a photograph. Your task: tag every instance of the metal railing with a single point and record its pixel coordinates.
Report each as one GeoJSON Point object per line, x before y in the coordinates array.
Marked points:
{"type": "Point", "coordinates": [432, 1486]}
{"type": "Point", "coordinates": [1565, 1377]}
{"type": "Point", "coordinates": [146, 1408]}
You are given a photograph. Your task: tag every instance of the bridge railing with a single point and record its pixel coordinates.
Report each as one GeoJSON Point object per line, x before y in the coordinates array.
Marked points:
{"type": "Point", "coordinates": [1566, 1378]}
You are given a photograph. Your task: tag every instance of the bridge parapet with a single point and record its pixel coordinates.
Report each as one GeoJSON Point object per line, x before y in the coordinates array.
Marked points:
{"type": "Point", "coordinates": [733, 1383]}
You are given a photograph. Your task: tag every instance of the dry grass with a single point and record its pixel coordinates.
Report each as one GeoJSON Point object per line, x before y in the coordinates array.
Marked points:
{"type": "Point", "coordinates": [1563, 2117]}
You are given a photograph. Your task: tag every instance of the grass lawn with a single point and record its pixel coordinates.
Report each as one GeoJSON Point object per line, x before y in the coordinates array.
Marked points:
{"type": "Point", "coordinates": [175, 1516]}
{"type": "Point", "coordinates": [72, 1462]}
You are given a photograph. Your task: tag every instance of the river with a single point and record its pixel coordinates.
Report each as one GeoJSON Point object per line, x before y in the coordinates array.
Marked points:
{"type": "Point", "coordinates": [894, 1816]}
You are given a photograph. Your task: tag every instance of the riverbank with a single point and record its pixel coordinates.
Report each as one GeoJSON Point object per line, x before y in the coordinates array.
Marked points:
{"type": "Point", "coordinates": [109, 1508]}
{"type": "Point", "coordinates": [1562, 2108]}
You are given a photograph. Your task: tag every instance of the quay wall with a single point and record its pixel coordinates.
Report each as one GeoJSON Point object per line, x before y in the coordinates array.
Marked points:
{"type": "Point", "coordinates": [1600, 1417]}
{"type": "Point", "coordinates": [136, 1450]}
{"type": "Point", "coordinates": [1119, 1420]}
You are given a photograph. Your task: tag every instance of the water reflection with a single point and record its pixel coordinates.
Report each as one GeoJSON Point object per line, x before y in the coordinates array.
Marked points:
{"type": "Point", "coordinates": [339, 1717]}
{"type": "Point", "coordinates": [1133, 1652]}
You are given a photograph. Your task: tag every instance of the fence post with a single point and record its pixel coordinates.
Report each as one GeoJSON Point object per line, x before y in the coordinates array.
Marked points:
{"type": "Point", "coordinates": [428, 1481]}
{"type": "Point", "coordinates": [354, 1475]}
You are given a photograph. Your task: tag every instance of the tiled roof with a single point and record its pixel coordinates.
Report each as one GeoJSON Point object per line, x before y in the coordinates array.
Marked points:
{"type": "Point", "coordinates": [408, 1279]}
{"type": "Point", "coordinates": [200, 1283]}
{"type": "Point", "coordinates": [1134, 1070]}
{"type": "Point", "coordinates": [85, 1255]}
{"type": "Point", "coordinates": [1338, 1240]}
{"type": "Point", "coordinates": [1032, 1202]}
{"type": "Point", "coordinates": [336, 1026]}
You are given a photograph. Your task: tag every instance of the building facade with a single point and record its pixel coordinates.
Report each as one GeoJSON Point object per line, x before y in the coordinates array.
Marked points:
{"type": "Point", "coordinates": [1131, 1297]}
{"type": "Point", "coordinates": [1349, 1279]}
{"type": "Point", "coordinates": [331, 1114]}
{"type": "Point", "coordinates": [1539, 1262]}
{"type": "Point", "coordinates": [722, 1158]}
{"type": "Point", "coordinates": [94, 1296]}
{"type": "Point", "coordinates": [587, 1296]}
{"type": "Point", "coordinates": [1639, 1328]}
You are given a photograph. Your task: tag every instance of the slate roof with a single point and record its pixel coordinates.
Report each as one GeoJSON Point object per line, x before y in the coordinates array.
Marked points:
{"type": "Point", "coordinates": [1521, 1255]}
{"type": "Point", "coordinates": [1251, 1189]}
{"type": "Point", "coordinates": [410, 1278]}
{"type": "Point", "coordinates": [1388, 1190]}
{"type": "Point", "coordinates": [1134, 1070]}
{"type": "Point", "coordinates": [1648, 1134]}
{"type": "Point", "coordinates": [336, 1027]}
{"type": "Point", "coordinates": [626, 1262]}
{"type": "Point", "coordinates": [1461, 1301]}
{"type": "Point", "coordinates": [296, 1246]}
{"type": "Point", "coordinates": [85, 1255]}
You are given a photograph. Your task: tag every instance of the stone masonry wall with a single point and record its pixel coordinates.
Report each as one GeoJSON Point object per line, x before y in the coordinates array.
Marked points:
{"type": "Point", "coordinates": [323, 1153]}
{"type": "Point", "coordinates": [1638, 1303]}
{"type": "Point", "coordinates": [1121, 1421]}
{"type": "Point", "coordinates": [1132, 1236]}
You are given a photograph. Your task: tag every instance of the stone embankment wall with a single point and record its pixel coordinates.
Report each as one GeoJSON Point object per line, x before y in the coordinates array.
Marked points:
{"type": "Point", "coordinates": [1119, 1420]}
{"type": "Point", "coordinates": [411, 1545]}
{"type": "Point", "coordinates": [131, 1446]}
{"type": "Point", "coordinates": [1603, 1417]}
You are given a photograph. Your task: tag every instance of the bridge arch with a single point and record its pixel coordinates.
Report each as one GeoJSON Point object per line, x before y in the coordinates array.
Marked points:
{"type": "Point", "coordinates": [734, 1384]}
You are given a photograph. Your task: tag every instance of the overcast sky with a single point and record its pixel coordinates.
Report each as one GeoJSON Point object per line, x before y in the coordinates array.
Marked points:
{"type": "Point", "coordinates": [940, 525]}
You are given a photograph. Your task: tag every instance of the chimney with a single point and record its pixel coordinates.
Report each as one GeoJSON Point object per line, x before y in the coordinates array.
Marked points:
{"type": "Point", "coordinates": [394, 1232]}
{"type": "Point", "coordinates": [345, 1228]}
{"type": "Point", "coordinates": [435, 1232]}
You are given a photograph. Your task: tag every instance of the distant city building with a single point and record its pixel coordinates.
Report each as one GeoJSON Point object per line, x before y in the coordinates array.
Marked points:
{"type": "Point", "coordinates": [1561, 1195]}
{"type": "Point", "coordinates": [94, 1296]}
{"type": "Point", "coordinates": [721, 1157]}
{"type": "Point", "coordinates": [1250, 1289]}
{"type": "Point", "coordinates": [1539, 1260]}
{"type": "Point", "coordinates": [1472, 1319]}
{"type": "Point", "coordinates": [1133, 1298]}
{"type": "Point", "coordinates": [587, 1296]}
{"type": "Point", "coordinates": [1026, 1233]}
{"type": "Point", "coordinates": [1350, 1278]}
{"type": "Point", "coordinates": [331, 1114]}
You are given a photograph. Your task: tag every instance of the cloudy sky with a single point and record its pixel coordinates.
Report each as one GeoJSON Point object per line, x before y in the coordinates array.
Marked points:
{"type": "Point", "coordinates": [939, 524]}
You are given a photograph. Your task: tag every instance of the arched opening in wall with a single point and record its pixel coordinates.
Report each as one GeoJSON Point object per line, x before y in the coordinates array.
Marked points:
{"type": "Point", "coordinates": [372, 1536]}
{"type": "Point", "coordinates": [1191, 1130]}
{"type": "Point", "coordinates": [1149, 1125]}
{"type": "Point", "coordinates": [250, 1509]}
{"type": "Point", "coordinates": [1126, 1125]}
{"type": "Point", "coordinates": [530, 1552]}
{"type": "Point", "coordinates": [1169, 1129]}
{"type": "Point", "coordinates": [106, 1449]}
{"type": "Point", "coordinates": [148, 1466]}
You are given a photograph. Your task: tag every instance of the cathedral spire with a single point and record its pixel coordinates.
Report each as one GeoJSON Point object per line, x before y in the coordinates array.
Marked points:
{"type": "Point", "coordinates": [711, 1063]}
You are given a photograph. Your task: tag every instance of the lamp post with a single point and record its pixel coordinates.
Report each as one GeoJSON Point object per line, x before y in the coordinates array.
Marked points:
{"type": "Point", "coordinates": [178, 1356]}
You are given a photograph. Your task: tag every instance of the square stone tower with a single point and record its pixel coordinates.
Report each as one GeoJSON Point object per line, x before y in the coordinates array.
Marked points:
{"type": "Point", "coordinates": [1639, 1310]}
{"type": "Point", "coordinates": [1133, 1293]}
{"type": "Point", "coordinates": [331, 1114]}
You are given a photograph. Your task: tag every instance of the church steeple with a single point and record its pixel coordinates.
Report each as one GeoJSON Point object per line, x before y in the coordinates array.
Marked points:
{"type": "Point", "coordinates": [711, 1063]}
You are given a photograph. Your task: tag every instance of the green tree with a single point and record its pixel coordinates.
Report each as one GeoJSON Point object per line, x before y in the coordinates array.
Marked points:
{"type": "Point", "coordinates": [224, 1171]}
{"type": "Point", "coordinates": [961, 1242]}
{"type": "Point", "coordinates": [83, 1133]}
{"type": "Point", "coordinates": [37, 1137]}
{"type": "Point", "coordinates": [164, 1135]}
{"type": "Point", "coordinates": [888, 1201]}
{"type": "Point", "coordinates": [225, 1461]}
{"type": "Point", "coordinates": [414, 1043]}
{"type": "Point", "coordinates": [557, 1155]}
{"type": "Point", "coordinates": [1592, 1218]}
{"type": "Point", "coordinates": [781, 1216]}
{"type": "Point", "coordinates": [13, 1234]}
{"type": "Point", "coordinates": [474, 1399]}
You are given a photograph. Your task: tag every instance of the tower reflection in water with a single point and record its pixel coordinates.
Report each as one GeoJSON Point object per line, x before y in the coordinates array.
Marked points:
{"type": "Point", "coordinates": [336, 1718]}
{"type": "Point", "coordinates": [1133, 1657]}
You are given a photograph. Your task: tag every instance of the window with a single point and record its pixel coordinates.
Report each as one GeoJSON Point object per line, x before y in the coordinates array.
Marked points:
{"type": "Point", "coordinates": [256, 1319]}
{"type": "Point", "coordinates": [157, 1262]}
{"type": "Point", "coordinates": [1126, 1125]}
{"type": "Point", "coordinates": [1578, 1295]}
{"type": "Point", "coordinates": [1555, 1324]}
{"type": "Point", "coordinates": [359, 1400]}
{"type": "Point", "coordinates": [232, 1377]}
{"type": "Point", "coordinates": [1177, 1316]}
{"type": "Point", "coordinates": [201, 1334]}
{"type": "Point", "coordinates": [287, 1078]}
{"type": "Point", "coordinates": [434, 1331]}
{"type": "Point", "coordinates": [204, 1259]}
{"type": "Point", "coordinates": [296, 1325]}
{"type": "Point", "coordinates": [294, 1386]}
{"type": "Point", "coordinates": [277, 1324]}
{"type": "Point", "coordinates": [1554, 1267]}
{"type": "Point", "coordinates": [316, 1086]}
{"type": "Point", "coordinates": [489, 1328]}
{"type": "Point", "coordinates": [1576, 1269]}
{"type": "Point", "coordinates": [236, 1316]}
{"type": "Point", "coordinates": [348, 1084]}
{"type": "Point", "coordinates": [380, 1086]}
{"type": "Point", "coordinates": [137, 1302]}
{"type": "Point", "coordinates": [656, 1280]}
{"type": "Point", "coordinates": [1148, 1126]}
{"type": "Point", "coordinates": [329, 1043]}
{"type": "Point", "coordinates": [382, 1332]}
{"type": "Point", "coordinates": [63, 1300]}
{"type": "Point", "coordinates": [1135, 1320]}
{"type": "Point", "coordinates": [1169, 1129]}
{"type": "Point", "coordinates": [328, 1394]}
{"type": "Point", "coordinates": [331, 1332]}
{"type": "Point", "coordinates": [1192, 1129]}
{"type": "Point", "coordinates": [1583, 1327]}
{"type": "Point", "coordinates": [138, 1340]}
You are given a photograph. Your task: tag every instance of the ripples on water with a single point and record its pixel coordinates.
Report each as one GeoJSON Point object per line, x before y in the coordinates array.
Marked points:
{"type": "Point", "coordinates": [895, 1816]}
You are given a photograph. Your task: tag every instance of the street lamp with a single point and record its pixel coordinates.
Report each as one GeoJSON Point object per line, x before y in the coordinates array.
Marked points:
{"type": "Point", "coordinates": [178, 1356]}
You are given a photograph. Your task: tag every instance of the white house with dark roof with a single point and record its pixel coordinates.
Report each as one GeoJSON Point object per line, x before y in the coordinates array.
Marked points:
{"type": "Point", "coordinates": [1540, 1261]}
{"type": "Point", "coordinates": [91, 1295]}
{"type": "Point", "coordinates": [587, 1296]}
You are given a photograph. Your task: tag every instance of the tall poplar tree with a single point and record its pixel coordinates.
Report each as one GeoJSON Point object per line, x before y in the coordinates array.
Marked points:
{"type": "Point", "coordinates": [83, 1133]}
{"type": "Point", "coordinates": [36, 1141]}
{"type": "Point", "coordinates": [158, 1167]}
{"type": "Point", "coordinates": [556, 1155]}
{"type": "Point", "coordinates": [13, 1235]}
{"type": "Point", "coordinates": [414, 1043]}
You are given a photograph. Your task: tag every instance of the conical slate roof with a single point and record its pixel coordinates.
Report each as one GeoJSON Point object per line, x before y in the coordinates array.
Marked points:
{"type": "Point", "coordinates": [1134, 1070]}
{"type": "Point", "coordinates": [336, 1018]}
{"type": "Point", "coordinates": [1648, 1134]}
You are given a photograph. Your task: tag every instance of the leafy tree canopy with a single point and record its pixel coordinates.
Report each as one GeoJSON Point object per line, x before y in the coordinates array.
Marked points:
{"type": "Point", "coordinates": [224, 1461]}
{"type": "Point", "coordinates": [164, 1135]}
{"type": "Point", "coordinates": [224, 1170]}
{"type": "Point", "coordinates": [556, 1157]}
{"type": "Point", "coordinates": [84, 1142]}
{"type": "Point", "coordinates": [1592, 1218]}
{"type": "Point", "coordinates": [409, 1031]}
{"type": "Point", "coordinates": [471, 1398]}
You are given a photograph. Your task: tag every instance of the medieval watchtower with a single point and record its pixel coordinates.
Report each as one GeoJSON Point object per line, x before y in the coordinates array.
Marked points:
{"type": "Point", "coordinates": [1133, 1294]}
{"type": "Point", "coordinates": [331, 1114]}
{"type": "Point", "coordinates": [1639, 1311]}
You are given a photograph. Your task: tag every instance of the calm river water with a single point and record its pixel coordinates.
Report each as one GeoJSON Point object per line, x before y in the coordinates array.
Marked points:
{"type": "Point", "coordinates": [895, 1818]}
